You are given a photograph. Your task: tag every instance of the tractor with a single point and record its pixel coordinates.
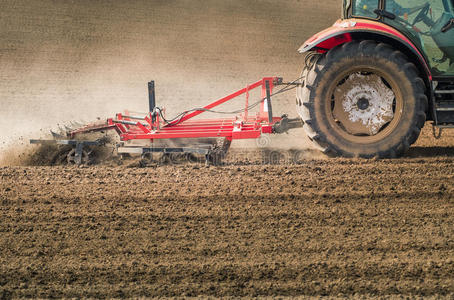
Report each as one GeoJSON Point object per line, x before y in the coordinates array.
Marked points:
{"type": "Point", "coordinates": [373, 79]}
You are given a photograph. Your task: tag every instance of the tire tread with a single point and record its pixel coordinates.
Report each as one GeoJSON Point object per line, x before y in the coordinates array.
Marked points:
{"type": "Point", "coordinates": [366, 47]}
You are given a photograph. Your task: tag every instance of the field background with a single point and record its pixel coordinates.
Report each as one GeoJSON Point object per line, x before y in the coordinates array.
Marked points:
{"type": "Point", "coordinates": [77, 60]}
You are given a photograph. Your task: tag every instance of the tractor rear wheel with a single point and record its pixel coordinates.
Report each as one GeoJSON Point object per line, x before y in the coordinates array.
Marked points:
{"type": "Point", "coordinates": [362, 99]}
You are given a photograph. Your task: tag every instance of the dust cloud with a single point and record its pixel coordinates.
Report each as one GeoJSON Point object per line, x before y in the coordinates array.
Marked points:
{"type": "Point", "coordinates": [77, 60]}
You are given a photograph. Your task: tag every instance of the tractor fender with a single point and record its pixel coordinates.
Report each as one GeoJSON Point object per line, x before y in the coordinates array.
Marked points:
{"type": "Point", "coordinates": [344, 31]}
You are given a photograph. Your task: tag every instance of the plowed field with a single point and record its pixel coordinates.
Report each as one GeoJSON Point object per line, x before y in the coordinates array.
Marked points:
{"type": "Point", "coordinates": [271, 222]}
{"type": "Point", "coordinates": [311, 227]}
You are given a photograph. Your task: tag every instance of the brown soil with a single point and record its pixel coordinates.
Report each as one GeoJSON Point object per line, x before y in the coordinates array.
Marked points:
{"type": "Point", "coordinates": [270, 222]}
{"type": "Point", "coordinates": [314, 227]}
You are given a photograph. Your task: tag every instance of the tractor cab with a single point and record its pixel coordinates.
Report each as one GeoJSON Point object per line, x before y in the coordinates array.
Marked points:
{"type": "Point", "coordinates": [429, 25]}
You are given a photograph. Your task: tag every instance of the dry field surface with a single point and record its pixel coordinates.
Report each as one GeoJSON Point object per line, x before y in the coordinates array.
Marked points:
{"type": "Point", "coordinates": [314, 227]}
{"type": "Point", "coordinates": [298, 224]}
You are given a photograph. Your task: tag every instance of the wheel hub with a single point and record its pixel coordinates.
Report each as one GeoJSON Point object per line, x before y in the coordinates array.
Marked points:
{"type": "Point", "coordinates": [363, 104]}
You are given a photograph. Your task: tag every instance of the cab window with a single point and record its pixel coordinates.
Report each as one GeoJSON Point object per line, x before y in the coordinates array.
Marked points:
{"type": "Point", "coordinates": [424, 21]}
{"type": "Point", "coordinates": [365, 8]}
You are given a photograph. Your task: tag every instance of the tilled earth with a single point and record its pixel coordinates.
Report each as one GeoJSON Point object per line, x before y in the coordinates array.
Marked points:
{"type": "Point", "coordinates": [311, 227]}
{"type": "Point", "coordinates": [268, 223]}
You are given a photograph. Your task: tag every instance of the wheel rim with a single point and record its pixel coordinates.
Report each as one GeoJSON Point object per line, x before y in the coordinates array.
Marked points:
{"type": "Point", "coordinates": [364, 105]}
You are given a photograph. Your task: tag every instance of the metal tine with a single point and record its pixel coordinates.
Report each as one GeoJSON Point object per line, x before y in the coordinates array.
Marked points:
{"type": "Point", "coordinates": [56, 135]}
{"type": "Point", "coordinates": [76, 124]}
{"type": "Point", "coordinates": [61, 130]}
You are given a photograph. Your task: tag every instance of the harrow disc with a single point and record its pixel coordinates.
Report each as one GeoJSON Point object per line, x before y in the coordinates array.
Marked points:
{"type": "Point", "coordinates": [72, 158]}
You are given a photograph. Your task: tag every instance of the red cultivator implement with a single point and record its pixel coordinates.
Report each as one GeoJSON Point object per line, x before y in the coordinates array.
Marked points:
{"type": "Point", "coordinates": [154, 127]}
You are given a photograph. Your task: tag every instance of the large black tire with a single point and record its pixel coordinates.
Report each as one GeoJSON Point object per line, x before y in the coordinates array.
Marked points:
{"type": "Point", "coordinates": [324, 101]}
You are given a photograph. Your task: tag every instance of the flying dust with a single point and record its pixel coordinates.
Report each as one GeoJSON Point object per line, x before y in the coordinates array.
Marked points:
{"type": "Point", "coordinates": [77, 60]}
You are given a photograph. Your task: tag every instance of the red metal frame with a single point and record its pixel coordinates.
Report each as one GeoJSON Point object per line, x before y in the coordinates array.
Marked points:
{"type": "Point", "coordinates": [239, 127]}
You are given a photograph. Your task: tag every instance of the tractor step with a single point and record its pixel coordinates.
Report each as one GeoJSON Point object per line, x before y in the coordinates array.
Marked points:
{"type": "Point", "coordinates": [444, 105]}
{"type": "Point", "coordinates": [444, 92]}
{"type": "Point", "coordinates": [444, 110]}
